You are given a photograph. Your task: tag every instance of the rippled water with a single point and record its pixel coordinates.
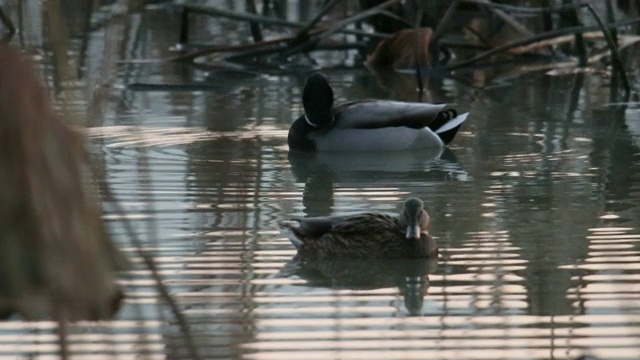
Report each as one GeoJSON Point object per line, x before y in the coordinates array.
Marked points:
{"type": "Point", "coordinates": [535, 208]}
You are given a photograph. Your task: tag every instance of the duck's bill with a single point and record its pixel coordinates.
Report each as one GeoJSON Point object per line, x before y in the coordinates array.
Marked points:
{"type": "Point", "coordinates": [413, 232]}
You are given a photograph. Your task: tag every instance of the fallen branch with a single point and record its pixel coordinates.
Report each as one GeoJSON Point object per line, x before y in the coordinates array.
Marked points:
{"type": "Point", "coordinates": [522, 42]}
{"type": "Point", "coordinates": [522, 9]}
{"type": "Point", "coordinates": [563, 39]}
{"type": "Point", "coordinates": [262, 48]}
{"type": "Point", "coordinates": [505, 17]}
{"type": "Point", "coordinates": [316, 19]}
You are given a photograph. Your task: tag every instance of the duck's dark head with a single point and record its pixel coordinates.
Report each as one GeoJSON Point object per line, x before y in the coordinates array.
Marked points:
{"type": "Point", "coordinates": [415, 217]}
{"type": "Point", "coordinates": [317, 101]}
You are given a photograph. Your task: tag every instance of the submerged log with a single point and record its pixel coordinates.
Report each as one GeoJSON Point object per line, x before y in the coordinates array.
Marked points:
{"type": "Point", "coordinates": [56, 260]}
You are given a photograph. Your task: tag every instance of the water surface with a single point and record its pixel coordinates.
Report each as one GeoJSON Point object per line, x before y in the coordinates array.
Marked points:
{"type": "Point", "coordinates": [535, 208]}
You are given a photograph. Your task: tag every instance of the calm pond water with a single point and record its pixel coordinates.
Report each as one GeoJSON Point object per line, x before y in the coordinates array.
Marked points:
{"type": "Point", "coordinates": [536, 208]}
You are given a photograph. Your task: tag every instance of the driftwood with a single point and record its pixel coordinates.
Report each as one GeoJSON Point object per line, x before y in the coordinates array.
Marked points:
{"type": "Point", "coordinates": [608, 30]}
{"type": "Point", "coordinates": [57, 261]}
{"type": "Point", "coordinates": [274, 54]}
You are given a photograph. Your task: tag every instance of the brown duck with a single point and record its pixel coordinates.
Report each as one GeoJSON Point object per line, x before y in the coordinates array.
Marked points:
{"type": "Point", "coordinates": [368, 235]}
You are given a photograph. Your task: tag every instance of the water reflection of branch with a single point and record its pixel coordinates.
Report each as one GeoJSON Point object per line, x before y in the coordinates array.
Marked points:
{"type": "Point", "coordinates": [6, 21]}
{"type": "Point", "coordinates": [259, 47]}
{"type": "Point", "coordinates": [410, 276]}
{"type": "Point", "coordinates": [58, 35]}
{"type": "Point", "coordinates": [151, 265]}
{"type": "Point", "coordinates": [341, 24]}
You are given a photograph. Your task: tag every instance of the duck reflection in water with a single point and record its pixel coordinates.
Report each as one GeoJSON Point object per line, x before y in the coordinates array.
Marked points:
{"type": "Point", "coordinates": [321, 172]}
{"type": "Point", "coordinates": [368, 141]}
{"type": "Point", "coordinates": [410, 276]}
{"type": "Point", "coordinates": [366, 251]}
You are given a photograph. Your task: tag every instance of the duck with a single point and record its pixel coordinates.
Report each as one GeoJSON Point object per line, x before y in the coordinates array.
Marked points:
{"type": "Point", "coordinates": [399, 51]}
{"type": "Point", "coordinates": [365, 235]}
{"type": "Point", "coordinates": [369, 125]}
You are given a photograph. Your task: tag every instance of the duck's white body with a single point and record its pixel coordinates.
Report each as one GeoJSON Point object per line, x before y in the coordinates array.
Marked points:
{"type": "Point", "coordinates": [369, 125]}
{"type": "Point", "coordinates": [382, 139]}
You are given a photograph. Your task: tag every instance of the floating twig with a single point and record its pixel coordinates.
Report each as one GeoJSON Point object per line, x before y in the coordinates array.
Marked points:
{"type": "Point", "coordinates": [267, 44]}
{"type": "Point", "coordinates": [316, 19]}
{"type": "Point", "coordinates": [534, 39]}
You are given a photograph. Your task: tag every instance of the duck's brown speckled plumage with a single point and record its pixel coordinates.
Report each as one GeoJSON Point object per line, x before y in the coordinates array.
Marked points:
{"type": "Point", "coordinates": [368, 235]}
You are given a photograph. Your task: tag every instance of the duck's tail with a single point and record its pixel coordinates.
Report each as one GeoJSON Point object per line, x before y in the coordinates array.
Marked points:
{"type": "Point", "coordinates": [447, 124]}
{"type": "Point", "coordinates": [287, 229]}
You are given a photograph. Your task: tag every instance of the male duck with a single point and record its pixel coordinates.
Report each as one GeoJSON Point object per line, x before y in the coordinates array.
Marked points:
{"type": "Point", "coordinates": [368, 235]}
{"type": "Point", "coordinates": [369, 125]}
